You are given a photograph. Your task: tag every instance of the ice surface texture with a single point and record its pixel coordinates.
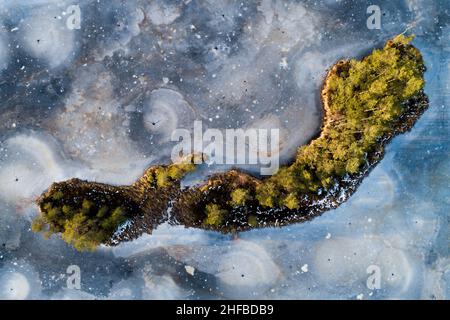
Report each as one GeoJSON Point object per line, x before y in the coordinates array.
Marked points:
{"type": "Point", "coordinates": [85, 112]}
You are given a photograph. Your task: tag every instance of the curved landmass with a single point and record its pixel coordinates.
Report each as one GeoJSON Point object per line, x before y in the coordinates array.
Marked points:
{"type": "Point", "coordinates": [366, 103]}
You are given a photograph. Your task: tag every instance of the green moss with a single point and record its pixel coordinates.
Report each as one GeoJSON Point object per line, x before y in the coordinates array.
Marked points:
{"type": "Point", "coordinates": [150, 179]}
{"type": "Point", "coordinates": [178, 171]}
{"type": "Point", "coordinates": [38, 224]}
{"type": "Point", "coordinates": [67, 210]}
{"type": "Point", "coordinates": [291, 201]}
{"type": "Point", "coordinates": [102, 212]}
{"type": "Point", "coordinates": [268, 194]}
{"type": "Point", "coordinates": [86, 206]}
{"type": "Point", "coordinates": [166, 176]}
{"type": "Point", "coordinates": [47, 206]}
{"type": "Point", "coordinates": [162, 178]}
{"type": "Point", "coordinates": [54, 214]}
{"type": "Point", "coordinates": [57, 195]}
{"type": "Point", "coordinates": [215, 216]}
{"type": "Point", "coordinates": [239, 196]}
{"type": "Point", "coordinates": [115, 219]}
{"type": "Point", "coordinates": [252, 221]}
{"type": "Point", "coordinates": [76, 232]}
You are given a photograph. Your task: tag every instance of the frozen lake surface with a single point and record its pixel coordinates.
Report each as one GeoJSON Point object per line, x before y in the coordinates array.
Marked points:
{"type": "Point", "coordinates": [100, 102]}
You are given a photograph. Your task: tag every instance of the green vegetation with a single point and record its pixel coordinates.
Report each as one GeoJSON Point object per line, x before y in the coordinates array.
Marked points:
{"type": "Point", "coordinates": [81, 223]}
{"type": "Point", "coordinates": [165, 176]}
{"type": "Point", "coordinates": [252, 221]}
{"type": "Point", "coordinates": [84, 220]}
{"type": "Point", "coordinates": [366, 103]}
{"type": "Point", "coordinates": [363, 101]}
{"type": "Point", "coordinates": [88, 214]}
{"type": "Point", "coordinates": [215, 216]}
{"type": "Point", "coordinates": [239, 196]}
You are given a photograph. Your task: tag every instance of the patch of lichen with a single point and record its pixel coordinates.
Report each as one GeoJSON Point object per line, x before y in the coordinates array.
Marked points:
{"type": "Point", "coordinates": [363, 102]}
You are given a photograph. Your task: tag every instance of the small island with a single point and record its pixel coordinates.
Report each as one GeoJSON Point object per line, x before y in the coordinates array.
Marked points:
{"type": "Point", "coordinates": [366, 103]}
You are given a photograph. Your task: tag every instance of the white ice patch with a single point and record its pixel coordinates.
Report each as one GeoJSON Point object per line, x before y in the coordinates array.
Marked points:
{"type": "Point", "coordinates": [424, 15]}
{"type": "Point", "coordinates": [29, 166]}
{"type": "Point", "coordinates": [14, 286]}
{"type": "Point", "coordinates": [161, 13]}
{"type": "Point", "coordinates": [95, 129]}
{"type": "Point", "coordinates": [125, 29]}
{"type": "Point", "coordinates": [164, 235]}
{"type": "Point", "coordinates": [382, 191]}
{"type": "Point", "coordinates": [246, 270]}
{"type": "Point", "coordinates": [285, 26]}
{"type": "Point", "coordinates": [122, 290]}
{"type": "Point", "coordinates": [160, 287]}
{"type": "Point", "coordinates": [251, 81]}
{"type": "Point", "coordinates": [19, 281]}
{"type": "Point", "coordinates": [72, 294]}
{"type": "Point", "coordinates": [4, 49]}
{"type": "Point", "coordinates": [263, 47]}
{"type": "Point", "coordinates": [166, 111]}
{"type": "Point", "coordinates": [344, 262]}
{"type": "Point", "coordinates": [46, 37]}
